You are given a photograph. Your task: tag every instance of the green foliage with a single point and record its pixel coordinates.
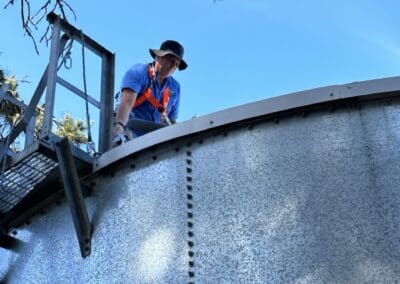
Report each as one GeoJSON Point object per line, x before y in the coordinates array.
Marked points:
{"type": "Point", "coordinates": [73, 129]}
{"type": "Point", "coordinates": [10, 114]}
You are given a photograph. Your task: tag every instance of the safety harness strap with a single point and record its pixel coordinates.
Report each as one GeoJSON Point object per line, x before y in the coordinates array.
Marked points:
{"type": "Point", "coordinates": [147, 95]}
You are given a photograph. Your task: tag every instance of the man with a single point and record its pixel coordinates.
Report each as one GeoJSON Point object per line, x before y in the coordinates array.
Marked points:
{"type": "Point", "coordinates": [149, 92]}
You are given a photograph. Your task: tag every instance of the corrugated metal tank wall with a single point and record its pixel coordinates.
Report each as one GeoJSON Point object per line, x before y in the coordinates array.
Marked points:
{"type": "Point", "coordinates": [308, 198]}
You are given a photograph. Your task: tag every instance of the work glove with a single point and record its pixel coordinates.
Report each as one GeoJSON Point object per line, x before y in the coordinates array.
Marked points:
{"type": "Point", "coordinates": [121, 135]}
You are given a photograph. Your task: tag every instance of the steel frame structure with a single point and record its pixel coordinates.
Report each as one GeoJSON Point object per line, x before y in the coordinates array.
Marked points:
{"type": "Point", "coordinates": [30, 178]}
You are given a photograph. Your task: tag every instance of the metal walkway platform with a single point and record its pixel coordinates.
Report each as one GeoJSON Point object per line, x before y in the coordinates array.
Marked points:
{"type": "Point", "coordinates": [33, 179]}
{"type": "Point", "coordinates": [21, 179]}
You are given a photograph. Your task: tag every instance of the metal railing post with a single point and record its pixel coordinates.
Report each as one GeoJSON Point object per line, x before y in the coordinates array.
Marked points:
{"type": "Point", "coordinates": [107, 102]}
{"type": "Point", "coordinates": [51, 79]}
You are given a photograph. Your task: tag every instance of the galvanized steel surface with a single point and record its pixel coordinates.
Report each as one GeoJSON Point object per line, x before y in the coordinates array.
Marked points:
{"type": "Point", "coordinates": [310, 199]}
{"type": "Point", "coordinates": [139, 235]}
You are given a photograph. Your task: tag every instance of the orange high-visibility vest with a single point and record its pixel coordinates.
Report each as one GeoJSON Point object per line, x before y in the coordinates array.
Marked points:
{"type": "Point", "coordinates": [147, 95]}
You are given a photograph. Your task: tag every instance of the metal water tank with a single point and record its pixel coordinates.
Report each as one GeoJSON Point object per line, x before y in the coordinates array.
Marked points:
{"type": "Point", "coordinates": [301, 188]}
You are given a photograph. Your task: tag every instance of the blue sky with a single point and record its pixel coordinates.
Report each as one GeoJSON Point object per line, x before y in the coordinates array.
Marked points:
{"type": "Point", "coordinates": [238, 51]}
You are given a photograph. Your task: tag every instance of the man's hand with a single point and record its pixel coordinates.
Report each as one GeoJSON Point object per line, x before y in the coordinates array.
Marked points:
{"type": "Point", "coordinates": [118, 129]}
{"type": "Point", "coordinates": [128, 99]}
{"type": "Point", "coordinates": [121, 118]}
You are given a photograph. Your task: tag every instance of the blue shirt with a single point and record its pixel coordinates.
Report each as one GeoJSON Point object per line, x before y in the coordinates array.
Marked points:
{"type": "Point", "coordinates": [137, 79]}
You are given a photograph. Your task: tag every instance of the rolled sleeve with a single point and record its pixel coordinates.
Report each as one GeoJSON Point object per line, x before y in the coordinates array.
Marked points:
{"type": "Point", "coordinates": [135, 78]}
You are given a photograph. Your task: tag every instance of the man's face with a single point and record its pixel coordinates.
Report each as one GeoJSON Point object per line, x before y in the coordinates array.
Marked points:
{"type": "Point", "coordinates": [167, 64]}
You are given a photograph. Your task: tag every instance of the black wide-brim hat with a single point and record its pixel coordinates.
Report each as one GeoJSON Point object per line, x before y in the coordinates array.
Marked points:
{"type": "Point", "coordinates": [170, 47]}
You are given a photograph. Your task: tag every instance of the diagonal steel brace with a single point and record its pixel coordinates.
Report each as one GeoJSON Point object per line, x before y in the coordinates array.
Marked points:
{"type": "Point", "coordinates": [74, 195]}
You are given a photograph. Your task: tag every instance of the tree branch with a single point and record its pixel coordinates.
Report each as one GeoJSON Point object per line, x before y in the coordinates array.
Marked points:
{"type": "Point", "coordinates": [30, 22]}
